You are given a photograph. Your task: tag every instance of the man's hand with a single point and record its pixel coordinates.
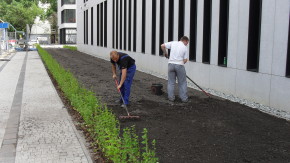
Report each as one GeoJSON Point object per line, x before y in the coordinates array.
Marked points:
{"type": "Point", "coordinates": [114, 76]}
{"type": "Point", "coordinates": [166, 55]}
{"type": "Point", "coordinates": [119, 87]}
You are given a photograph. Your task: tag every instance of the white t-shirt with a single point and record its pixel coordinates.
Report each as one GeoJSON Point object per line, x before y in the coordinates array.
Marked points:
{"type": "Point", "coordinates": [178, 52]}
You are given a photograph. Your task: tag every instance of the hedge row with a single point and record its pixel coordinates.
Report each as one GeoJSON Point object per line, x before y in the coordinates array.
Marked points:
{"type": "Point", "coordinates": [70, 47]}
{"type": "Point", "coordinates": [100, 121]}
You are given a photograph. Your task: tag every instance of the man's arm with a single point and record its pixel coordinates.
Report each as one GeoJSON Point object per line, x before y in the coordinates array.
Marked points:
{"type": "Point", "coordinates": [114, 71]}
{"type": "Point", "coordinates": [124, 75]}
{"type": "Point", "coordinates": [163, 48]}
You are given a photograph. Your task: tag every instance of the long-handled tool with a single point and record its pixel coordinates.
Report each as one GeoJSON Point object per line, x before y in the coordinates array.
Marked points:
{"type": "Point", "coordinates": [198, 87]}
{"type": "Point", "coordinates": [128, 116]}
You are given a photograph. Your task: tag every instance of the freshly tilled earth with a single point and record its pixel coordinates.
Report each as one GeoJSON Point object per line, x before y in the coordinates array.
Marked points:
{"type": "Point", "coordinates": [204, 130]}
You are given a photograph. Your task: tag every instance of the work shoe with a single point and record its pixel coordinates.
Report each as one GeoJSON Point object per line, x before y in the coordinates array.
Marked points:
{"type": "Point", "coordinates": [185, 101]}
{"type": "Point", "coordinates": [119, 101]}
{"type": "Point", "coordinates": [171, 100]}
{"type": "Point", "coordinates": [123, 106]}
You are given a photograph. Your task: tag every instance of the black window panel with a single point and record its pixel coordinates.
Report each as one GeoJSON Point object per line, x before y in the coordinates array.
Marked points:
{"type": "Point", "coordinates": [153, 39]}
{"type": "Point", "coordinates": [135, 26]}
{"type": "Point", "coordinates": [121, 24]}
{"type": "Point", "coordinates": [170, 20]}
{"type": "Point", "coordinates": [288, 54]}
{"type": "Point", "coordinates": [117, 24]}
{"type": "Point", "coordinates": [143, 25]}
{"type": "Point", "coordinates": [105, 24]}
{"type": "Point", "coordinates": [84, 27]}
{"type": "Point", "coordinates": [92, 26]}
{"type": "Point", "coordinates": [181, 18]}
{"type": "Point", "coordinates": [68, 16]}
{"type": "Point", "coordinates": [192, 37]}
{"type": "Point", "coordinates": [207, 31]}
{"type": "Point", "coordinates": [130, 24]}
{"type": "Point", "coordinates": [64, 2]}
{"type": "Point", "coordinates": [223, 32]}
{"type": "Point", "coordinates": [125, 24]}
{"type": "Point", "coordinates": [87, 26]}
{"type": "Point", "coordinates": [254, 35]}
{"type": "Point", "coordinates": [101, 23]}
{"type": "Point", "coordinates": [161, 27]}
{"type": "Point", "coordinates": [98, 24]}
{"type": "Point", "coordinates": [113, 32]}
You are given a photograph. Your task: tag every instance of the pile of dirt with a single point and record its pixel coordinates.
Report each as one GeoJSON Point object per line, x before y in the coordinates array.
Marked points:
{"type": "Point", "coordinates": [202, 130]}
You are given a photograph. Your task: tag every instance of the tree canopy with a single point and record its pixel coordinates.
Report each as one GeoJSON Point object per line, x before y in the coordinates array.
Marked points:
{"type": "Point", "coordinates": [22, 12]}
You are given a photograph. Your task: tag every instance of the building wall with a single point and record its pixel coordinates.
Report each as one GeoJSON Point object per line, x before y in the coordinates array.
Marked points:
{"type": "Point", "coordinates": [62, 27]}
{"type": "Point", "coordinates": [268, 85]}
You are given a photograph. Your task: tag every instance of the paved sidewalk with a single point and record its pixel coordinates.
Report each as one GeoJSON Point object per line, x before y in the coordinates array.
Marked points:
{"type": "Point", "coordinates": [34, 125]}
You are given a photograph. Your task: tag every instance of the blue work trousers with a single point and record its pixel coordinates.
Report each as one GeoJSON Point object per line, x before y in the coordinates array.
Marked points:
{"type": "Point", "coordinates": [126, 87]}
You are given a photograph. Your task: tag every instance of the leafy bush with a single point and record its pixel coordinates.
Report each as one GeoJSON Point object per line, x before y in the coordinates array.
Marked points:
{"type": "Point", "coordinates": [100, 121]}
{"type": "Point", "coordinates": [70, 47]}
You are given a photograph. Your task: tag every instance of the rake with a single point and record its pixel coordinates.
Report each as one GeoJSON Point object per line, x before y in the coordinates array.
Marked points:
{"type": "Point", "coordinates": [128, 116]}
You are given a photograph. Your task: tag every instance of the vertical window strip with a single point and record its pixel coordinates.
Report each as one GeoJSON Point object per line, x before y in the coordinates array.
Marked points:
{"type": "Point", "coordinates": [254, 35]}
{"type": "Point", "coordinates": [117, 24]}
{"type": "Point", "coordinates": [223, 33]}
{"type": "Point", "coordinates": [98, 24]}
{"type": "Point", "coordinates": [143, 25]}
{"type": "Point", "coordinates": [153, 41]}
{"type": "Point", "coordinates": [181, 18]}
{"type": "Point", "coordinates": [125, 24]}
{"type": "Point", "coordinates": [192, 37]}
{"type": "Point", "coordinates": [105, 24]}
{"type": "Point", "coordinates": [121, 24]}
{"type": "Point", "coordinates": [135, 26]}
{"type": "Point", "coordinates": [101, 24]}
{"type": "Point", "coordinates": [92, 26]}
{"type": "Point", "coordinates": [207, 31]}
{"type": "Point", "coordinates": [113, 25]}
{"type": "Point", "coordinates": [161, 26]}
{"type": "Point", "coordinates": [84, 27]}
{"type": "Point", "coordinates": [87, 26]}
{"type": "Point", "coordinates": [130, 25]}
{"type": "Point", "coordinates": [288, 55]}
{"type": "Point", "coordinates": [170, 20]}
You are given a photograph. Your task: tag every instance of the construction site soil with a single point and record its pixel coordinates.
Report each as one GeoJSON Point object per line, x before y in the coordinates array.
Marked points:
{"type": "Point", "coordinates": [204, 130]}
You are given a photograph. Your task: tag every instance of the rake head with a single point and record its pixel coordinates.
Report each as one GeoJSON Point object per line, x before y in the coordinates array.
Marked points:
{"type": "Point", "coordinates": [129, 117]}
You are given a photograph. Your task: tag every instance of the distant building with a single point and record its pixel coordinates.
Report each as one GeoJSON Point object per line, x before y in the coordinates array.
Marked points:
{"type": "Point", "coordinates": [67, 21]}
{"type": "Point", "coordinates": [41, 31]}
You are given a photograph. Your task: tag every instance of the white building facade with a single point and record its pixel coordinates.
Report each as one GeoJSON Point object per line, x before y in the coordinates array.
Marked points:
{"type": "Point", "coordinates": [67, 21]}
{"type": "Point", "coordinates": [237, 47]}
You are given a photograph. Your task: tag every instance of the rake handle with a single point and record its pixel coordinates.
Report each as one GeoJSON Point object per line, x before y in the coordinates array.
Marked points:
{"type": "Point", "coordinates": [198, 86]}
{"type": "Point", "coordinates": [117, 83]}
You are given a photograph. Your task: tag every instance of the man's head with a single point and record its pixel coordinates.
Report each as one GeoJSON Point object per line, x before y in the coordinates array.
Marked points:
{"type": "Point", "coordinates": [185, 40]}
{"type": "Point", "coordinates": [114, 56]}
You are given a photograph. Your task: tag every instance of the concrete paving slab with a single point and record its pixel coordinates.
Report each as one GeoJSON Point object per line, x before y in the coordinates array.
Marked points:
{"type": "Point", "coordinates": [34, 125]}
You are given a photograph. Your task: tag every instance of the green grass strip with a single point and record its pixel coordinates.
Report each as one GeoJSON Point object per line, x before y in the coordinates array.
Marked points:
{"type": "Point", "coordinates": [70, 47]}
{"type": "Point", "coordinates": [100, 121]}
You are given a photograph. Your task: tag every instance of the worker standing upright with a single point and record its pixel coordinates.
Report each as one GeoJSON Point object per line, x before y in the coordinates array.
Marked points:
{"type": "Point", "coordinates": [178, 57]}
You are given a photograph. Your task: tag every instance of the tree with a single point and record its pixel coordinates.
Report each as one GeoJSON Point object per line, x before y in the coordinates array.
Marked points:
{"type": "Point", "coordinates": [51, 13]}
{"type": "Point", "coordinates": [20, 12]}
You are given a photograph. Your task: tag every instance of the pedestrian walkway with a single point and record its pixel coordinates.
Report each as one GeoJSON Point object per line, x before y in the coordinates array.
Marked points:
{"type": "Point", "coordinates": [34, 124]}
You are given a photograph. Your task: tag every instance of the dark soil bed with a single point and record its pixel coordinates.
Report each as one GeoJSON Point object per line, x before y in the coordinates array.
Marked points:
{"type": "Point", "coordinates": [203, 130]}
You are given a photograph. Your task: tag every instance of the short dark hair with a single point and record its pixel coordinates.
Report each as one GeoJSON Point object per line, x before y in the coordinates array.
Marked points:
{"type": "Point", "coordinates": [184, 38]}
